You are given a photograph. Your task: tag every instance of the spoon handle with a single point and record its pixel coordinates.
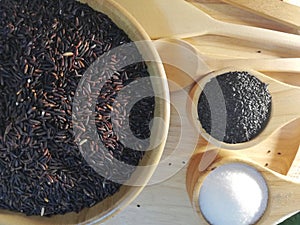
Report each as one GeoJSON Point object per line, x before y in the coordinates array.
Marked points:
{"type": "Point", "coordinates": [282, 195]}
{"type": "Point", "coordinates": [286, 102]}
{"type": "Point", "coordinates": [180, 19]}
{"type": "Point", "coordinates": [275, 64]}
{"type": "Point", "coordinates": [279, 11]}
{"type": "Point", "coordinates": [282, 191]}
{"type": "Point", "coordinates": [268, 38]}
{"type": "Point", "coordinates": [294, 171]}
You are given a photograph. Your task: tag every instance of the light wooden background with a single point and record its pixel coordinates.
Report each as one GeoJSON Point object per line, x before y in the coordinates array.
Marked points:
{"type": "Point", "coordinates": [167, 202]}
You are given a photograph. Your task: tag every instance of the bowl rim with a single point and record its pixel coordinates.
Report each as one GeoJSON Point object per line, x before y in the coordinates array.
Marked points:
{"type": "Point", "coordinates": [117, 12]}
{"type": "Point", "coordinates": [119, 16]}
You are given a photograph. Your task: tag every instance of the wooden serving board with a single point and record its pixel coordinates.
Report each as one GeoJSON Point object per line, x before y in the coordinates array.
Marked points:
{"type": "Point", "coordinates": [167, 202]}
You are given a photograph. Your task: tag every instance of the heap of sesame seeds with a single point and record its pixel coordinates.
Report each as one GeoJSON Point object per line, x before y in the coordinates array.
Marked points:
{"type": "Point", "coordinates": [246, 111]}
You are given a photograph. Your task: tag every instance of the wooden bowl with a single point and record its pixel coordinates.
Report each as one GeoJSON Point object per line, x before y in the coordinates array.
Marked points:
{"type": "Point", "coordinates": [114, 204]}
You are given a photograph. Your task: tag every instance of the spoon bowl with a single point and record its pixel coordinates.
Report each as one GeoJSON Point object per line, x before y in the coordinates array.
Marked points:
{"type": "Point", "coordinates": [285, 107]}
{"type": "Point", "coordinates": [282, 191]}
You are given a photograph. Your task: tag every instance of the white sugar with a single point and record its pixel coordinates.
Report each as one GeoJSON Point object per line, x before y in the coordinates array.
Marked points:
{"type": "Point", "coordinates": [233, 194]}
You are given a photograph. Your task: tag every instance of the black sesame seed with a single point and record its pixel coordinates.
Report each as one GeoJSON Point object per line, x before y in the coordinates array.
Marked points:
{"type": "Point", "coordinates": [247, 107]}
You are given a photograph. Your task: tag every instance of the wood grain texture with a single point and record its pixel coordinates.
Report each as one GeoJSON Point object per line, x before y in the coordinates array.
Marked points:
{"type": "Point", "coordinates": [225, 12]}
{"type": "Point", "coordinates": [168, 202]}
{"type": "Point", "coordinates": [281, 194]}
{"type": "Point", "coordinates": [181, 57]}
{"type": "Point", "coordinates": [276, 10]}
{"type": "Point", "coordinates": [177, 18]}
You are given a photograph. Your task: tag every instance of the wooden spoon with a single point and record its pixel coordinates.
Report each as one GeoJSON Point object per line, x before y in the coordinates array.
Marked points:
{"type": "Point", "coordinates": [177, 18]}
{"type": "Point", "coordinates": [285, 107]}
{"type": "Point", "coordinates": [279, 11]}
{"type": "Point", "coordinates": [282, 192]}
{"type": "Point", "coordinates": [180, 56]}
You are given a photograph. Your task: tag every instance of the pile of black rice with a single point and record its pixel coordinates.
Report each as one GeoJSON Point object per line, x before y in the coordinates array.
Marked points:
{"type": "Point", "coordinates": [45, 48]}
{"type": "Point", "coordinates": [241, 104]}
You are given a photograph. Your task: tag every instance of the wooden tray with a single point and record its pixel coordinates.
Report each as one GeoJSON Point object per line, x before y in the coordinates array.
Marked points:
{"type": "Point", "coordinates": [167, 202]}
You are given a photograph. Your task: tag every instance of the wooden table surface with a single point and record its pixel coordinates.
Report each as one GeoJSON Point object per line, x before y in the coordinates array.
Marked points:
{"type": "Point", "coordinates": [167, 202]}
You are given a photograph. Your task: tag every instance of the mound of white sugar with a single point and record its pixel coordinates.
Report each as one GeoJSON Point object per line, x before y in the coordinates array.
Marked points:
{"type": "Point", "coordinates": [233, 194]}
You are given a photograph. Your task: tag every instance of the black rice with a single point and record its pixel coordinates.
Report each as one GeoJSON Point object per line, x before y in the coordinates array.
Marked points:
{"type": "Point", "coordinates": [45, 48]}
{"type": "Point", "coordinates": [246, 111]}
